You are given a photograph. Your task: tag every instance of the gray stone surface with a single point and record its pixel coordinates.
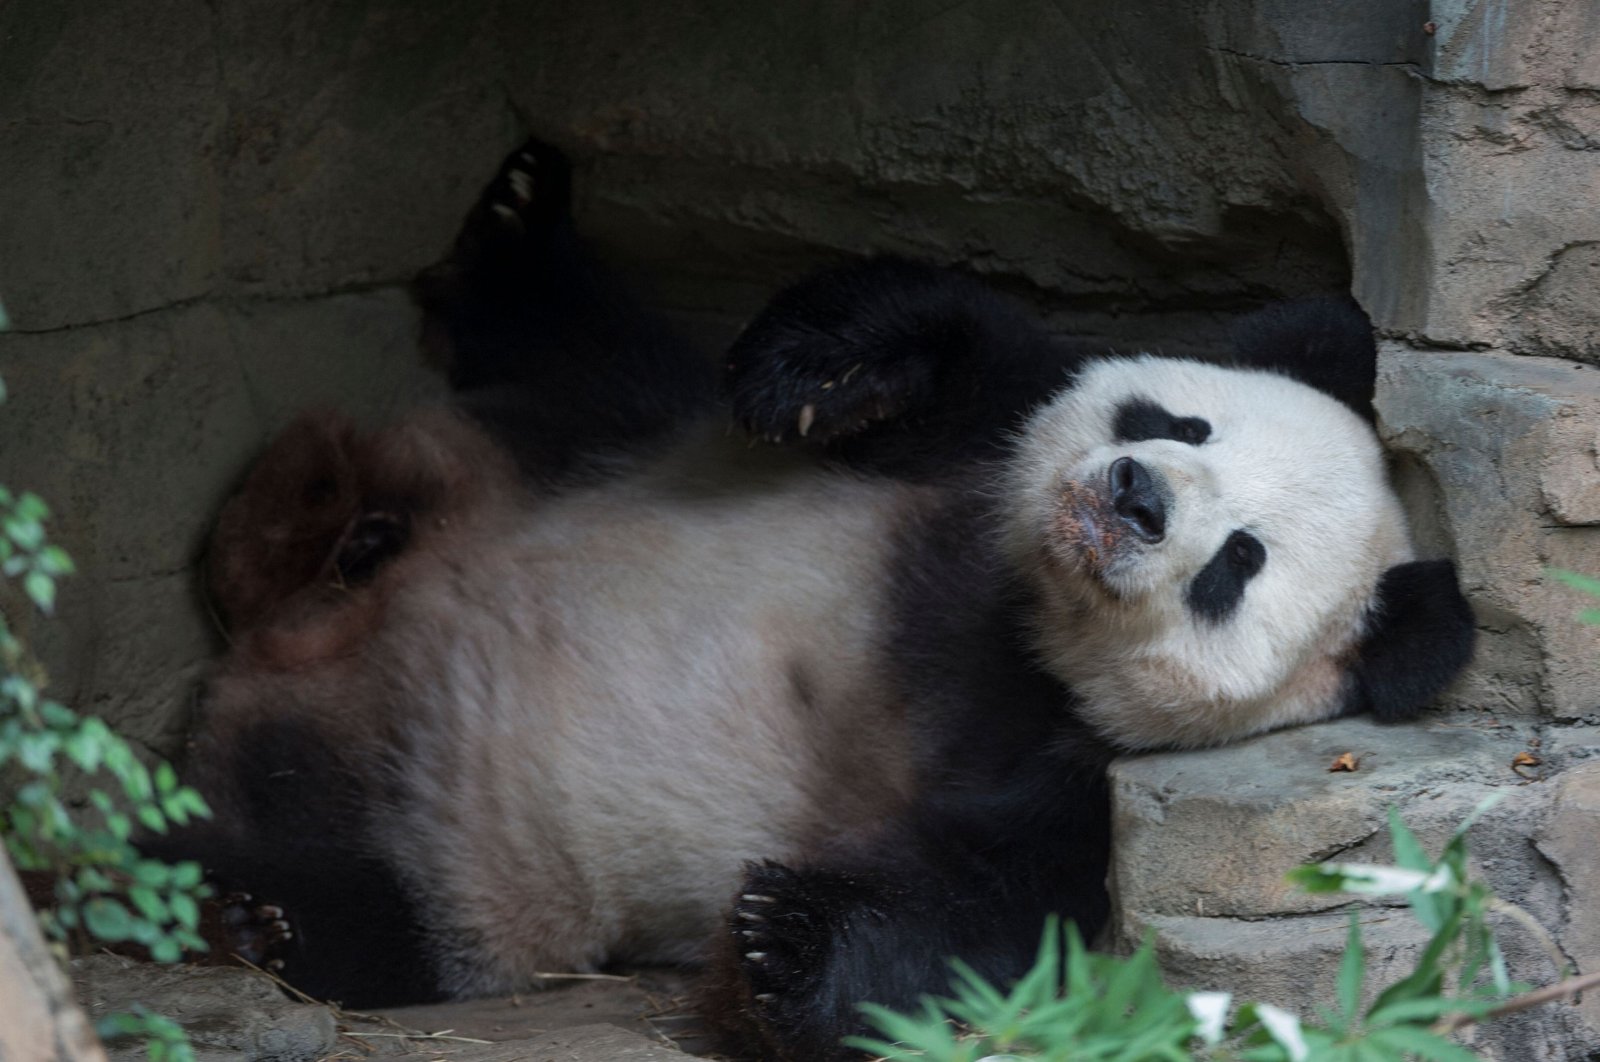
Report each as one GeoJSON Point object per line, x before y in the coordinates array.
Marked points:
{"type": "Point", "coordinates": [1289, 963]}
{"type": "Point", "coordinates": [230, 1014]}
{"type": "Point", "coordinates": [1203, 840]}
{"type": "Point", "coordinates": [1212, 833]}
{"type": "Point", "coordinates": [583, 1043]}
{"type": "Point", "coordinates": [1500, 457]}
{"type": "Point", "coordinates": [135, 431]}
{"type": "Point", "coordinates": [1568, 839]}
{"type": "Point", "coordinates": [651, 1004]}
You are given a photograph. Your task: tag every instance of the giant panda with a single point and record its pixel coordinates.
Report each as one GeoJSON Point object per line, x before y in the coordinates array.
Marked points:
{"type": "Point", "coordinates": [809, 675]}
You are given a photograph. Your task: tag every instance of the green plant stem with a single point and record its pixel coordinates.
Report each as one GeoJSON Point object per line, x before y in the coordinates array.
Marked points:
{"type": "Point", "coordinates": [1527, 1001]}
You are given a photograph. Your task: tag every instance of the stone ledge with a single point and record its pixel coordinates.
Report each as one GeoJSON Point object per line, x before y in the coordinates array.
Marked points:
{"type": "Point", "coordinates": [1212, 833]}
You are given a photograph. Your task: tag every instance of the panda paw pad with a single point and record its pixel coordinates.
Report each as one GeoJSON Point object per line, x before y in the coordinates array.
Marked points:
{"type": "Point", "coordinates": [256, 932]}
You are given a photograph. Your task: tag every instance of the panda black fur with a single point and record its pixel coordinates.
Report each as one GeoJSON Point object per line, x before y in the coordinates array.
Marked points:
{"type": "Point", "coordinates": [554, 680]}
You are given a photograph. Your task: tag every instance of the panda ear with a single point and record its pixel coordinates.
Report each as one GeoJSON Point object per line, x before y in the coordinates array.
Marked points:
{"type": "Point", "coordinates": [1420, 637]}
{"type": "Point", "coordinates": [1323, 341]}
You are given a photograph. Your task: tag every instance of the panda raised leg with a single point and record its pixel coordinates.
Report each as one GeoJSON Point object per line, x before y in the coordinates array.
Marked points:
{"type": "Point", "coordinates": [543, 347]}
{"type": "Point", "coordinates": [892, 366]}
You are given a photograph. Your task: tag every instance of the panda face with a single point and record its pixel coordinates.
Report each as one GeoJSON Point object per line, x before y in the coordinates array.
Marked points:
{"type": "Point", "coordinates": [1206, 543]}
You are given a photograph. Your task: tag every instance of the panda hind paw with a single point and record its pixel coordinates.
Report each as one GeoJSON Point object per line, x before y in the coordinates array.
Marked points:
{"type": "Point", "coordinates": [507, 232]}
{"type": "Point", "coordinates": [781, 940]}
{"type": "Point", "coordinates": [790, 928]}
{"type": "Point", "coordinates": [259, 933]}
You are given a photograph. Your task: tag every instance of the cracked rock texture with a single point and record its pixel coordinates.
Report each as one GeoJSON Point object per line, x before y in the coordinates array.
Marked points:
{"type": "Point", "coordinates": [209, 209]}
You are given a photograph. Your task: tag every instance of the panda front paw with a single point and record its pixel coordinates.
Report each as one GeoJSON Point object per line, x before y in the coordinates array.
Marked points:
{"type": "Point", "coordinates": [794, 931]}
{"type": "Point", "coordinates": [839, 353]}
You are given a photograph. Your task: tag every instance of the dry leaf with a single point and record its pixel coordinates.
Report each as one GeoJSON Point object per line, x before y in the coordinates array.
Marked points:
{"type": "Point", "coordinates": [1346, 762]}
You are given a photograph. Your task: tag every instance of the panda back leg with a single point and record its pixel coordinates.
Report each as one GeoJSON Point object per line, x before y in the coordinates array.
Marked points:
{"type": "Point", "coordinates": [542, 345]}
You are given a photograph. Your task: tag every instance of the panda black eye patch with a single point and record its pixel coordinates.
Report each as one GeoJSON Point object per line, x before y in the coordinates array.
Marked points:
{"type": "Point", "coordinates": [1140, 419]}
{"type": "Point", "coordinates": [1218, 589]}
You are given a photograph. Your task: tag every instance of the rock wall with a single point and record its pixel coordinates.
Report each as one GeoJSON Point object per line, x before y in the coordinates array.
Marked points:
{"type": "Point", "coordinates": [209, 209]}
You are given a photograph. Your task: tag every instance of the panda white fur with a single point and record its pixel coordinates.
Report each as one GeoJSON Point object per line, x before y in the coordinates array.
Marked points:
{"type": "Point", "coordinates": [576, 674]}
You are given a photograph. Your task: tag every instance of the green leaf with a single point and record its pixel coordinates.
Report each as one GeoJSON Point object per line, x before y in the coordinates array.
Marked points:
{"type": "Point", "coordinates": [107, 919]}
{"type": "Point", "coordinates": [122, 1023]}
{"type": "Point", "coordinates": [1457, 836]}
{"type": "Point", "coordinates": [192, 802]}
{"type": "Point", "coordinates": [1352, 971]}
{"type": "Point", "coordinates": [31, 507]}
{"type": "Point", "coordinates": [54, 560]}
{"type": "Point", "coordinates": [152, 872]}
{"type": "Point", "coordinates": [1408, 851]}
{"type": "Point", "coordinates": [1423, 1044]}
{"type": "Point", "coordinates": [37, 751]}
{"type": "Point", "coordinates": [119, 825]}
{"type": "Point", "coordinates": [166, 950]}
{"type": "Point", "coordinates": [184, 909]}
{"type": "Point", "coordinates": [82, 748]}
{"type": "Point", "coordinates": [186, 875]}
{"type": "Point", "coordinates": [152, 819]}
{"type": "Point", "coordinates": [1587, 584]}
{"type": "Point", "coordinates": [58, 715]}
{"type": "Point", "coordinates": [41, 589]}
{"type": "Point", "coordinates": [149, 903]}
{"type": "Point", "coordinates": [166, 778]}
{"type": "Point", "coordinates": [135, 776]}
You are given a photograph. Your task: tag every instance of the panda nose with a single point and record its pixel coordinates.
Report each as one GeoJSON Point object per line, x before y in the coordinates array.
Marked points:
{"type": "Point", "coordinates": [1136, 498]}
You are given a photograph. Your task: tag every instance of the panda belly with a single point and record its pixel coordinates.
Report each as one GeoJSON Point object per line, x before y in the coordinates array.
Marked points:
{"type": "Point", "coordinates": [628, 695]}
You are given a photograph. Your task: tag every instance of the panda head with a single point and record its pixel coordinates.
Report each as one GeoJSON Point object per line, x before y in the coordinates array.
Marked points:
{"type": "Point", "coordinates": [1217, 552]}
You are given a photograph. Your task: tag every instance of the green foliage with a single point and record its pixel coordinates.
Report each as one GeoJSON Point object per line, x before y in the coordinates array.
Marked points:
{"type": "Point", "coordinates": [1588, 584]}
{"type": "Point", "coordinates": [164, 1039]}
{"type": "Point", "coordinates": [105, 891]}
{"type": "Point", "coordinates": [1074, 1005]}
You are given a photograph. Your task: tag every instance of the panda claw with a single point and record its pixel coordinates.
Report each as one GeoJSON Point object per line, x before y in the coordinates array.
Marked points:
{"type": "Point", "coordinates": [750, 916]}
{"type": "Point", "coordinates": [521, 185]}
{"type": "Point", "coordinates": [756, 956]}
{"type": "Point", "coordinates": [756, 897]}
